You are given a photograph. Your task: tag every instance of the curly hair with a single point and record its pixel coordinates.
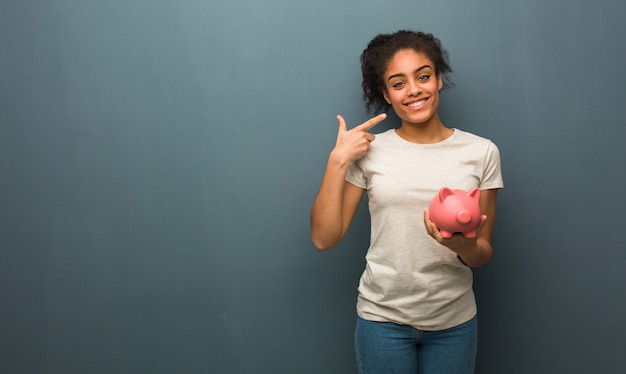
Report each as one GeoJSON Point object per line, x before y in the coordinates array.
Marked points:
{"type": "Point", "coordinates": [379, 52]}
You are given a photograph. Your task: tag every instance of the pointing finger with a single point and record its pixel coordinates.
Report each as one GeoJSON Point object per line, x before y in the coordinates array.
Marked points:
{"type": "Point", "coordinates": [373, 122]}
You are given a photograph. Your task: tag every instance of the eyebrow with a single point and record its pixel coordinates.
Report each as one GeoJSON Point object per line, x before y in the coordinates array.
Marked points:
{"type": "Point", "coordinates": [401, 74]}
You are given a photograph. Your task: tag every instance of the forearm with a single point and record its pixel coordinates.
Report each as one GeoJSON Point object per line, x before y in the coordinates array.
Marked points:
{"type": "Point", "coordinates": [327, 212]}
{"type": "Point", "coordinates": [478, 255]}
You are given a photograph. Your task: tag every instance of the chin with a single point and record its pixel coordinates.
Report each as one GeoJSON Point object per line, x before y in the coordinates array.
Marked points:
{"type": "Point", "coordinates": [421, 120]}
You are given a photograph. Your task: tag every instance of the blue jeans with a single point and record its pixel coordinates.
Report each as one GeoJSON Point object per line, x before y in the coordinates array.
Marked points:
{"type": "Point", "coordinates": [385, 347]}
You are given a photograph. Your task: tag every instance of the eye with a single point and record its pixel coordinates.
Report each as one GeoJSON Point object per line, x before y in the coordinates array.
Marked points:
{"type": "Point", "coordinates": [423, 78]}
{"type": "Point", "coordinates": [397, 85]}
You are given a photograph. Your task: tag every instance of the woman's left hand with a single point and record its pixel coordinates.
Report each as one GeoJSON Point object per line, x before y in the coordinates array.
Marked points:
{"type": "Point", "coordinates": [458, 243]}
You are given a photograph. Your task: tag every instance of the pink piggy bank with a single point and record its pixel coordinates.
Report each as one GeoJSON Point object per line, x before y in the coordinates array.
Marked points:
{"type": "Point", "coordinates": [456, 211]}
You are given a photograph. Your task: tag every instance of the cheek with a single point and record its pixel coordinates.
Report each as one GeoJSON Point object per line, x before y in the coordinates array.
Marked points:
{"type": "Point", "coordinates": [394, 97]}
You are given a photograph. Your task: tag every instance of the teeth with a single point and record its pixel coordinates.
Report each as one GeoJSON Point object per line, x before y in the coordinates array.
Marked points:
{"type": "Point", "coordinates": [417, 103]}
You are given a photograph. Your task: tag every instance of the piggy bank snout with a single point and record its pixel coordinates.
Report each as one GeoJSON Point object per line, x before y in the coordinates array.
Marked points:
{"type": "Point", "coordinates": [464, 216]}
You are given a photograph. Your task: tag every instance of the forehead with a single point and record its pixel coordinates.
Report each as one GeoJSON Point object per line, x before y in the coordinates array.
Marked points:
{"type": "Point", "coordinates": [407, 61]}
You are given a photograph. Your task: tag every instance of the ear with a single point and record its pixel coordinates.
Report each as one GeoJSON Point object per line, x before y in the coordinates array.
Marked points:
{"type": "Point", "coordinates": [474, 193]}
{"type": "Point", "coordinates": [386, 96]}
{"type": "Point", "coordinates": [444, 192]}
{"type": "Point", "coordinates": [439, 82]}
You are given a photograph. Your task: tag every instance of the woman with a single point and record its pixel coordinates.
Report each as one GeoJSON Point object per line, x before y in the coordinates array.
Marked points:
{"type": "Point", "coordinates": [416, 308]}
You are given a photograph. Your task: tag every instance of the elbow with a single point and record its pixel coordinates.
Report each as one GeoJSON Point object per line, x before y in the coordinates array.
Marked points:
{"type": "Point", "coordinates": [484, 254]}
{"type": "Point", "coordinates": [325, 238]}
{"type": "Point", "coordinates": [478, 265]}
{"type": "Point", "coordinates": [322, 245]}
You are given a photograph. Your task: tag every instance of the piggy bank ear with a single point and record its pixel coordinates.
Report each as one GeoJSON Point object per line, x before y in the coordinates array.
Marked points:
{"type": "Point", "coordinates": [474, 193]}
{"type": "Point", "coordinates": [444, 192]}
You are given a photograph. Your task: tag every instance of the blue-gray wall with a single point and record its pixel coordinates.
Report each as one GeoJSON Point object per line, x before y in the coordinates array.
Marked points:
{"type": "Point", "coordinates": [158, 160]}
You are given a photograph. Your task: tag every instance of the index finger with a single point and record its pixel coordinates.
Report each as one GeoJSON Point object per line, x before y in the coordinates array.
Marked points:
{"type": "Point", "coordinates": [372, 122]}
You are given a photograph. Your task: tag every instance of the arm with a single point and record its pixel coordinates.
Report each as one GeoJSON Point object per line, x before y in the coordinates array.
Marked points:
{"type": "Point", "coordinates": [337, 200]}
{"type": "Point", "coordinates": [333, 211]}
{"type": "Point", "coordinates": [474, 252]}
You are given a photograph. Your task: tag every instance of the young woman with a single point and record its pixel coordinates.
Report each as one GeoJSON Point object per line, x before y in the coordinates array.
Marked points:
{"type": "Point", "coordinates": [416, 308]}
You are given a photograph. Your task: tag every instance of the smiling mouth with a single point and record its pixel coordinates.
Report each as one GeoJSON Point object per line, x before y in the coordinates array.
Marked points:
{"type": "Point", "coordinates": [416, 104]}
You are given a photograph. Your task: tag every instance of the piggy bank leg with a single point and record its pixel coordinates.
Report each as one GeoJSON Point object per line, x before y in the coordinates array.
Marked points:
{"type": "Point", "coordinates": [470, 234]}
{"type": "Point", "coordinates": [446, 234]}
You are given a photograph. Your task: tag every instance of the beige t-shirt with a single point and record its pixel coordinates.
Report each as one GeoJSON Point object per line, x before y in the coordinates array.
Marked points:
{"type": "Point", "coordinates": [410, 278]}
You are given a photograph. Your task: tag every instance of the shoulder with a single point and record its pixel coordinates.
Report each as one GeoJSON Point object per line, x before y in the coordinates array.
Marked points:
{"type": "Point", "coordinates": [469, 137]}
{"type": "Point", "coordinates": [384, 139]}
{"type": "Point", "coordinates": [387, 135]}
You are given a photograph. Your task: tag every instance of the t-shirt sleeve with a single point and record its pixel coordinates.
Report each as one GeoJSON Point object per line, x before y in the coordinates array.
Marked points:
{"type": "Point", "coordinates": [356, 176]}
{"type": "Point", "coordinates": [492, 175]}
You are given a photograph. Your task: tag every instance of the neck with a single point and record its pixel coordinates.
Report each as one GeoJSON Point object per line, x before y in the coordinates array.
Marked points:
{"type": "Point", "coordinates": [431, 132]}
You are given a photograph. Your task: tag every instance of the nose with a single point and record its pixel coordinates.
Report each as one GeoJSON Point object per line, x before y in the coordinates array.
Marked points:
{"type": "Point", "coordinates": [414, 89]}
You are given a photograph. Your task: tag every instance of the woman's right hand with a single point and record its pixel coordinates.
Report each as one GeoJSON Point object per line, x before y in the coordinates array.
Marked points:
{"type": "Point", "coordinates": [355, 143]}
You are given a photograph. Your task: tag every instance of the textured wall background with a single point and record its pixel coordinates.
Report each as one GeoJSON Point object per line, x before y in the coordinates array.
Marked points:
{"type": "Point", "coordinates": [158, 160]}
